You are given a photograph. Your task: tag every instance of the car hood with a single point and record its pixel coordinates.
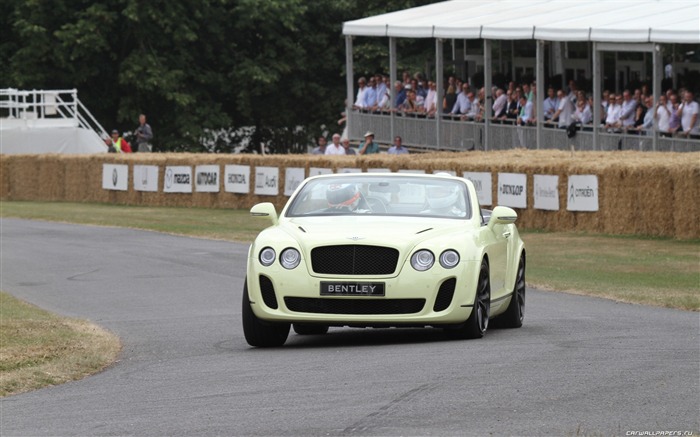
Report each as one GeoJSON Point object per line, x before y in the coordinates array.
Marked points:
{"type": "Point", "coordinates": [402, 233]}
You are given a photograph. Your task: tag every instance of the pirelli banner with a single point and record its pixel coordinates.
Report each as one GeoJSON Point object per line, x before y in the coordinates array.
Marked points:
{"type": "Point", "coordinates": [608, 192]}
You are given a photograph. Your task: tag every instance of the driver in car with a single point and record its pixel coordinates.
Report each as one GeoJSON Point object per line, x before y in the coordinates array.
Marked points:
{"type": "Point", "coordinates": [345, 198]}
{"type": "Point", "coordinates": [444, 200]}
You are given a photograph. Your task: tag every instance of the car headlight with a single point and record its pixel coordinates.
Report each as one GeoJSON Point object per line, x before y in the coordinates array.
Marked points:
{"type": "Point", "coordinates": [422, 260]}
{"type": "Point", "coordinates": [449, 259]}
{"type": "Point", "coordinates": [267, 256]}
{"type": "Point", "coordinates": [290, 258]}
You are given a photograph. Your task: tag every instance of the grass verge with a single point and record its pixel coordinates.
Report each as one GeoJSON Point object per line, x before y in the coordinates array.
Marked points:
{"type": "Point", "coordinates": [38, 349]}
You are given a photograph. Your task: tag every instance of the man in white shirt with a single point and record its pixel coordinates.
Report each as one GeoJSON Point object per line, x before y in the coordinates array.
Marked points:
{"type": "Point", "coordinates": [550, 104]}
{"type": "Point", "coordinates": [612, 120]}
{"type": "Point", "coordinates": [564, 111]}
{"type": "Point", "coordinates": [688, 112]}
{"type": "Point", "coordinates": [362, 89]}
{"type": "Point", "coordinates": [500, 104]}
{"type": "Point", "coordinates": [335, 148]}
{"type": "Point", "coordinates": [463, 103]}
{"type": "Point", "coordinates": [430, 103]}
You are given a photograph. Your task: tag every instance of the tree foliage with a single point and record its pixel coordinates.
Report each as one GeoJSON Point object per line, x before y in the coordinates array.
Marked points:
{"type": "Point", "coordinates": [194, 65]}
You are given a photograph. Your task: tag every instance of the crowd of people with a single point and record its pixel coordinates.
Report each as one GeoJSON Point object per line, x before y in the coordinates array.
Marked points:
{"type": "Point", "coordinates": [367, 147]}
{"type": "Point", "coordinates": [632, 111]}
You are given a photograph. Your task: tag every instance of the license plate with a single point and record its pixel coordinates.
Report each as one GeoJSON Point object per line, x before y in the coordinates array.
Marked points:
{"type": "Point", "coordinates": [352, 288]}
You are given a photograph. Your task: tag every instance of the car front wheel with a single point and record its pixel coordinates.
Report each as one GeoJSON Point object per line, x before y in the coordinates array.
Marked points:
{"type": "Point", "coordinates": [260, 333]}
{"type": "Point", "coordinates": [478, 321]}
{"type": "Point", "coordinates": [513, 317]}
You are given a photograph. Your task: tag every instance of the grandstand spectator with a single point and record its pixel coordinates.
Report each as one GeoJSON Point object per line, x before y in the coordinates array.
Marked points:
{"type": "Point", "coordinates": [381, 88]}
{"type": "Point", "coordinates": [397, 148]}
{"type": "Point", "coordinates": [384, 102]}
{"type": "Point", "coordinates": [688, 112]}
{"type": "Point", "coordinates": [640, 113]}
{"type": "Point", "coordinates": [448, 102]}
{"type": "Point", "coordinates": [604, 106]}
{"type": "Point", "coordinates": [500, 105]}
{"type": "Point", "coordinates": [647, 122]}
{"type": "Point", "coordinates": [369, 146]}
{"type": "Point", "coordinates": [572, 91]}
{"type": "Point", "coordinates": [430, 103]}
{"type": "Point", "coordinates": [513, 105]}
{"type": "Point", "coordinates": [526, 117]}
{"type": "Point", "coordinates": [582, 115]}
{"type": "Point", "coordinates": [564, 111]}
{"type": "Point", "coordinates": [335, 148]}
{"type": "Point", "coordinates": [550, 104]}
{"type": "Point", "coordinates": [463, 103]}
{"type": "Point", "coordinates": [412, 105]}
{"type": "Point", "coordinates": [612, 119]}
{"type": "Point", "coordinates": [320, 149]}
{"type": "Point", "coordinates": [674, 122]}
{"type": "Point", "coordinates": [473, 105]}
{"type": "Point", "coordinates": [422, 86]}
{"type": "Point", "coordinates": [371, 94]}
{"type": "Point", "coordinates": [361, 90]}
{"type": "Point", "coordinates": [663, 115]}
{"type": "Point", "coordinates": [627, 111]}
{"type": "Point", "coordinates": [400, 90]}
{"type": "Point", "coordinates": [527, 92]}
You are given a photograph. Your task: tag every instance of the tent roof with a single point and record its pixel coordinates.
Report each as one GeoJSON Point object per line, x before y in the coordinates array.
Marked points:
{"type": "Point", "coordinates": [622, 21]}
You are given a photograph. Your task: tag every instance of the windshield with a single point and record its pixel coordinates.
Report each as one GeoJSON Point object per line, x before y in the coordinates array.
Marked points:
{"type": "Point", "coordinates": [377, 195]}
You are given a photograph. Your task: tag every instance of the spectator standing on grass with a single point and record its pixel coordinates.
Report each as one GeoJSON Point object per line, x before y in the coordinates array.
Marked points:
{"type": "Point", "coordinates": [320, 149]}
{"type": "Point", "coordinates": [688, 113]}
{"type": "Point", "coordinates": [144, 135]}
{"type": "Point", "coordinates": [397, 148]}
{"type": "Point", "coordinates": [369, 145]}
{"type": "Point", "coordinates": [335, 148]}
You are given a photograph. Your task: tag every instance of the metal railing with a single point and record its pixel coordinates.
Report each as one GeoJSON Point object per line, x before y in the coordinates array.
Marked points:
{"type": "Point", "coordinates": [47, 105]}
{"type": "Point", "coordinates": [460, 135]}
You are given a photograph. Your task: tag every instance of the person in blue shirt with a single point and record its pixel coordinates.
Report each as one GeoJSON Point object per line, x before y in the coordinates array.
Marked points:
{"type": "Point", "coordinates": [397, 148]}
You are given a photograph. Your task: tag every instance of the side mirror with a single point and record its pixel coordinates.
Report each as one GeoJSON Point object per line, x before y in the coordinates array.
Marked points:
{"type": "Point", "coordinates": [502, 215]}
{"type": "Point", "coordinates": [265, 209]}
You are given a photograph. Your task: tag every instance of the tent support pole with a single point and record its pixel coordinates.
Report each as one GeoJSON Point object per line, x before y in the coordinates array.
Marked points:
{"type": "Point", "coordinates": [349, 80]}
{"type": "Point", "coordinates": [439, 79]}
{"type": "Point", "coordinates": [597, 104]}
{"type": "Point", "coordinates": [392, 78]}
{"type": "Point", "coordinates": [539, 95]}
{"type": "Point", "coordinates": [488, 100]}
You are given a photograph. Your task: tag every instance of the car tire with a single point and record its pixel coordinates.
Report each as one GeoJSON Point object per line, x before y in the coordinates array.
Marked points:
{"type": "Point", "coordinates": [478, 321]}
{"type": "Point", "coordinates": [257, 332]}
{"type": "Point", "coordinates": [303, 329]}
{"type": "Point", "coordinates": [515, 313]}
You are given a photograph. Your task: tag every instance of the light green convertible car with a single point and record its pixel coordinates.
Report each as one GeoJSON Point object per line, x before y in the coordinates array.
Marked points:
{"type": "Point", "coordinates": [383, 250]}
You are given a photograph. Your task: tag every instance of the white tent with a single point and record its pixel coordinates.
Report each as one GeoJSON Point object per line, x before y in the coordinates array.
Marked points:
{"type": "Point", "coordinates": [631, 21]}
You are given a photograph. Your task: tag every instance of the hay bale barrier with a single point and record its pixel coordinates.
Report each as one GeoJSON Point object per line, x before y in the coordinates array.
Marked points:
{"type": "Point", "coordinates": [639, 193]}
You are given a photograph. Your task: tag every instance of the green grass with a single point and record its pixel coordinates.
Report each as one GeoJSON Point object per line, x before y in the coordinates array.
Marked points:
{"type": "Point", "coordinates": [652, 271]}
{"type": "Point", "coordinates": [38, 348]}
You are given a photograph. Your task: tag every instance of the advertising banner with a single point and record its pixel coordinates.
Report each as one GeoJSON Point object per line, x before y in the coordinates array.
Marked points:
{"type": "Point", "coordinates": [293, 177]}
{"type": "Point", "coordinates": [546, 192]}
{"type": "Point", "coordinates": [237, 179]}
{"type": "Point", "coordinates": [512, 190]}
{"type": "Point", "coordinates": [178, 179]}
{"type": "Point", "coordinates": [206, 178]}
{"type": "Point", "coordinates": [146, 178]}
{"type": "Point", "coordinates": [115, 177]}
{"type": "Point", "coordinates": [482, 183]}
{"type": "Point", "coordinates": [582, 193]}
{"type": "Point", "coordinates": [267, 181]}
{"type": "Point", "coordinates": [315, 171]}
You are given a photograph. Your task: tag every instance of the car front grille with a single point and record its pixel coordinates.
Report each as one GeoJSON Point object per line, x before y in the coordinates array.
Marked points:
{"type": "Point", "coordinates": [354, 259]}
{"type": "Point", "coordinates": [444, 295]}
{"type": "Point", "coordinates": [354, 306]}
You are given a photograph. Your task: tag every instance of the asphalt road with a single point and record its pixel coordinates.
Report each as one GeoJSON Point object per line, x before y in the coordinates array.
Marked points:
{"type": "Point", "coordinates": [579, 366]}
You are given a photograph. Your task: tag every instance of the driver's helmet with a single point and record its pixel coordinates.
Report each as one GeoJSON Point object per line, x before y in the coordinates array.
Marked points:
{"type": "Point", "coordinates": [442, 196]}
{"type": "Point", "coordinates": [342, 195]}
